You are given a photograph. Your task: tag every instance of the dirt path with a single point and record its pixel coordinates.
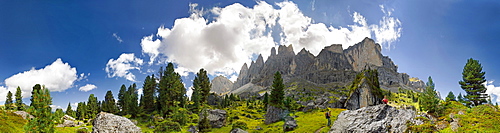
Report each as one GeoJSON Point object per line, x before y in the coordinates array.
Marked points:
{"type": "Point", "coordinates": [319, 130]}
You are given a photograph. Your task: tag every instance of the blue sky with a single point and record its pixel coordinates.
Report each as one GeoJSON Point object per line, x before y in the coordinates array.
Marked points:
{"type": "Point", "coordinates": [77, 48]}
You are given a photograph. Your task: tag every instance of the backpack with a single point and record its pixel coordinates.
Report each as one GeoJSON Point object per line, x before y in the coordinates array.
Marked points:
{"type": "Point", "coordinates": [327, 115]}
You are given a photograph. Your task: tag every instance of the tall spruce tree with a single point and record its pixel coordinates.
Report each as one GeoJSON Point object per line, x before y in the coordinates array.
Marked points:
{"type": "Point", "coordinates": [148, 98]}
{"type": "Point", "coordinates": [19, 99]}
{"type": "Point", "coordinates": [201, 90]}
{"type": "Point", "coordinates": [171, 92]}
{"type": "Point", "coordinates": [472, 82]}
{"type": "Point", "coordinates": [277, 92]}
{"type": "Point", "coordinates": [8, 101]}
{"type": "Point", "coordinates": [70, 111]}
{"type": "Point", "coordinates": [35, 89]}
{"type": "Point", "coordinates": [429, 100]}
{"type": "Point", "coordinates": [132, 107]}
{"type": "Point", "coordinates": [41, 110]}
{"type": "Point", "coordinates": [450, 97]}
{"type": "Point", "coordinates": [109, 104]}
{"type": "Point", "coordinates": [121, 98]}
{"type": "Point", "coordinates": [92, 106]}
{"type": "Point", "coordinates": [81, 110]}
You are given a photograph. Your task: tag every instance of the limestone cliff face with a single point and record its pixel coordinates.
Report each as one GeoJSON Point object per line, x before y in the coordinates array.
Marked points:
{"type": "Point", "coordinates": [221, 84]}
{"type": "Point", "coordinates": [332, 65]}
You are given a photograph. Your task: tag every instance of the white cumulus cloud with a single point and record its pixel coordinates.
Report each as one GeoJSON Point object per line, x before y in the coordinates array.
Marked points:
{"type": "Point", "coordinates": [121, 67]}
{"type": "Point", "coordinates": [87, 87]}
{"type": "Point", "coordinates": [237, 34]}
{"type": "Point", "coordinates": [493, 91]}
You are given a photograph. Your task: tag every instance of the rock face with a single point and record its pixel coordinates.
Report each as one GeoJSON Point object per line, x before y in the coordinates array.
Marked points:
{"type": "Point", "coordinates": [365, 93]}
{"type": "Point", "coordinates": [68, 122]}
{"type": "Point", "coordinates": [217, 117]}
{"type": "Point", "coordinates": [110, 123]}
{"type": "Point", "coordinates": [221, 84]}
{"type": "Point", "coordinates": [332, 65]}
{"type": "Point", "coordinates": [24, 114]}
{"type": "Point", "coordinates": [373, 119]}
{"type": "Point", "coordinates": [273, 114]}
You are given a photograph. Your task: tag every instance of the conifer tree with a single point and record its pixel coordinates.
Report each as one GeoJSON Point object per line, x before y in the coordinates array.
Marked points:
{"type": "Point", "coordinates": [201, 83]}
{"type": "Point", "coordinates": [70, 111]}
{"type": "Point", "coordinates": [450, 97]}
{"type": "Point", "coordinates": [121, 98]}
{"type": "Point", "coordinates": [92, 106]}
{"type": "Point", "coordinates": [19, 99]}
{"type": "Point", "coordinates": [277, 92]}
{"type": "Point", "coordinates": [472, 82]}
{"type": "Point", "coordinates": [58, 115]}
{"type": "Point", "coordinates": [266, 100]}
{"type": "Point", "coordinates": [35, 88]}
{"type": "Point", "coordinates": [171, 92]}
{"type": "Point", "coordinates": [429, 99]}
{"type": "Point", "coordinates": [81, 110]}
{"type": "Point", "coordinates": [41, 110]}
{"type": "Point", "coordinates": [109, 104]}
{"type": "Point", "coordinates": [8, 101]}
{"type": "Point", "coordinates": [148, 97]}
{"type": "Point", "coordinates": [131, 104]}
{"type": "Point", "coordinates": [204, 123]}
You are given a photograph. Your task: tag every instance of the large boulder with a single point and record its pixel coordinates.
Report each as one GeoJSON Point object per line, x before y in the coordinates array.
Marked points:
{"type": "Point", "coordinates": [24, 114]}
{"type": "Point", "coordinates": [373, 119]}
{"type": "Point", "coordinates": [217, 117]}
{"type": "Point", "coordinates": [273, 114]}
{"type": "Point", "coordinates": [238, 130]}
{"type": "Point", "coordinates": [110, 123]}
{"type": "Point", "coordinates": [67, 123]}
{"type": "Point", "coordinates": [366, 92]}
{"type": "Point", "coordinates": [290, 124]}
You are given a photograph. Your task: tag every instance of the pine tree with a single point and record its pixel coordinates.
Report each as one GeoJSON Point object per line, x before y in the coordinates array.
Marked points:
{"type": "Point", "coordinates": [92, 106]}
{"type": "Point", "coordinates": [149, 89]}
{"type": "Point", "coordinates": [277, 92]}
{"type": "Point", "coordinates": [450, 97]}
{"type": "Point", "coordinates": [204, 123]}
{"type": "Point", "coordinates": [131, 104]}
{"type": "Point", "coordinates": [35, 89]}
{"type": "Point", "coordinates": [266, 100]}
{"type": "Point", "coordinates": [472, 82]}
{"type": "Point", "coordinates": [201, 83]}
{"type": "Point", "coordinates": [121, 98]}
{"type": "Point", "coordinates": [41, 110]}
{"type": "Point", "coordinates": [8, 101]}
{"type": "Point", "coordinates": [429, 99]}
{"type": "Point", "coordinates": [58, 115]}
{"type": "Point", "coordinates": [109, 104]}
{"type": "Point", "coordinates": [19, 99]}
{"type": "Point", "coordinates": [70, 111]}
{"type": "Point", "coordinates": [171, 91]}
{"type": "Point", "coordinates": [81, 110]}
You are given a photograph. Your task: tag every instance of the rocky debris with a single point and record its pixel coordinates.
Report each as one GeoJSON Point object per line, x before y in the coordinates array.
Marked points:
{"type": "Point", "coordinates": [217, 117]}
{"type": "Point", "coordinates": [221, 84]}
{"type": "Point", "coordinates": [238, 130]}
{"type": "Point", "coordinates": [363, 96]}
{"type": "Point", "coordinates": [110, 123]}
{"type": "Point", "coordinates": [24, 114]}
{"type": "Point", "coordinates": [454, 123]}
{"type": "Point", "coordinates": [373, 119]}
{"type": "Point", "coordinates": [290, 124]}
{"type": "Point", "coordinates": [67, 117]}
{"type": "Point", "coordinates": [273, 114]}
{"type": "Point", "coordinates": [67, 123]}
{"type": "Point", "coordinates": [192, 129]}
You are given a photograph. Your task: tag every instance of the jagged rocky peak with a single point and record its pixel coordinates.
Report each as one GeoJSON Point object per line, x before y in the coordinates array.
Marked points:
{"type": "Point", "coordinates": [364, 54]}
{"type": "Point", "coordinates": [273, 51]}
{"type": "Point", "coordinates": [260, 60]}
{"type": "Point", "coordinates": [303, 51]}
{"type": "Point", "coordinates": [221, 84]}
{"type": "Point", "coordinates": [336, 48]}
{"type": "Point", "coordinates": [286, 50]}
{"type": "Point", "coordinates": [242, 77]}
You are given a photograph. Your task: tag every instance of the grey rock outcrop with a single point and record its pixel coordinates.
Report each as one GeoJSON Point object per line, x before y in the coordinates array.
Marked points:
{"type": "Point", "coordinates": [273, 114]}
{"type": "Point", "coordinates": [192, 129]}
{"type": "Point", "coordinates": [364, 95]}
{"type": "Point", "coordinates": [110, 123]}
{"type": "Point", "coordinates": [238, 130]}
{"type": "Point", "coordinates": [24, 114]}
{"type": "Point", "coordinates": [68, 121]}
{"type": "Point", "coordinates": [217, 117]}
{"type": "Point", "coordinates": [221, 84]}
{"type": "Point", "coordinates": [290, 124]}
{"type": "Point", "coordinates": [373, 119]}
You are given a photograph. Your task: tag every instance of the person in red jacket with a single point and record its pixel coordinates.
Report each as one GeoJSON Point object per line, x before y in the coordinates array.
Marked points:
{"type": "Point", "coordinates": [385, 100]}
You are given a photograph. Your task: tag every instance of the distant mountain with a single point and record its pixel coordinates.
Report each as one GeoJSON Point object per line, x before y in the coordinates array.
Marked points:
{"type": "Point", "coordinates": [221, 85]}
{"type": "Point", "coordinates": [333, 65]}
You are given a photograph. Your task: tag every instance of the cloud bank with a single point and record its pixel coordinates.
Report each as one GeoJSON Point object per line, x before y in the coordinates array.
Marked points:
{"type": "Point", "coordinates": [237, 34]}
{"type": "Point", "coordinates": [493, 91]}
{"type": "Point", "coordinates": [57, 76]}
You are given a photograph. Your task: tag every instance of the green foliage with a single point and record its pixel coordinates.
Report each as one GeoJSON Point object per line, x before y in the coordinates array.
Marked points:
{"type": "Point", "coordinates": [240, 124]}
{"type": "Point", "coordinates": [149, 89]}
{"type": "Point", "coordinates": [130, 99]}
{"type": "Point", "coordinates": [171, 91]}
{"type": "Point", "coordinates": [11, 123]}
{"type": "Point", "coordinates": [371, 78]}
{"type": "Point", "coordinates": [167, 126]}
{"type": "Point", "coordinates": [266, 100]}
{"type": "Point", "coordinates": [19, 99]}
{"type": "Point", "coordinates": [204, 124]}
{"type": "Point", "coordinates": [70, 111]}
{"type": "Point", "coordinates": [40, 109]}
{"type": "Point", "coordinates": [82, 130]}
{"type": "Point", "coordinates": [81, 111]}
{"type": "Point", "coordinates": [201, 90]}
{"type": "Point", "coordinates": [121, 99]}
{"type": "Point", "coordinates": [8, 101]}
{"type": "Point", "coordinates": [482, 118]}
{"type": "Point", "coordinates": [92, 106]}
{"type": "Point", "coordinates": [427, 127]}
{"type": "Point", "coordinates": [450, 97]}
{"type": "Point", "coordinates": [277, 92]}
{"type": "Point", "coordinates": [429, 100]}
{"type": "Point", "coordinates": [472, 82]}
{"type": "Point", "coordinates": [109, 104]}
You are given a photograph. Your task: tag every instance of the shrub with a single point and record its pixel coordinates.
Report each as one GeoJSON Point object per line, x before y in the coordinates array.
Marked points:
{"type": "Point", "coordinates": [240, 124]}
{"type": "Point", "coordinates": [167, 126]}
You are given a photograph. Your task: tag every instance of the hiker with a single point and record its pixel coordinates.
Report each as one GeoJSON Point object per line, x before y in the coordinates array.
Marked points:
{"type": "Point", "coordinates": [328, 115]}
{"type": "Point", "coordinates": [385, 101]}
